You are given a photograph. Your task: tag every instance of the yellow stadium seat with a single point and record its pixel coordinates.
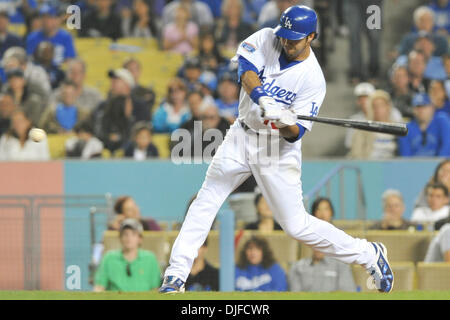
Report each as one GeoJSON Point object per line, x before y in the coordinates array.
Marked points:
{"type": "Point", "coordinates": [404, 273]}
{"type": "Point", "coordinates": [403, 245]}
{"type": "Point", "coordinates": [352, 224]}
{"type": "Point", "coordinates": [56, 145]}
{"type": "Point", "coordinates": [162, 141]}
{"type": "Point", "coordinates": [18, 28]}
{"type": "Point", "coordinates": [433, 276]}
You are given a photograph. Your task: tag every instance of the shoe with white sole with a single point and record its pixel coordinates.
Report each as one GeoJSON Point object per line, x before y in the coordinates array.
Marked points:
{"type": "Point", "coordinates": [382, 277]}
{"type": "Point", "coordinates": [172, 284]}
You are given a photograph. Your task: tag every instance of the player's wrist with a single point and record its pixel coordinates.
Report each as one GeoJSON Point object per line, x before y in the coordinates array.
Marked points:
{"type": "Point", "coordinates": [257, 93]}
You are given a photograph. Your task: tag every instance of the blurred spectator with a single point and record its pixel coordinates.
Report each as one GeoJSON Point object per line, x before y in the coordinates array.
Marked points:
{"type": "Point", "coordinates": [18, 10]}
{"type": "Point", "coordinates": [374, 145]}
{"type": "Point", "coordinates": [61, 117]}
{"type": "Point", "coordinates": [174, 111]}
{"type": "Point", "coordinates": [7, 108]}
{"type": "Point", "coordinates": [126, 208]}
{"type": "Point", "coordinates": [321, 273]}
{"type": "Point", "coordinates": [394, 208]}
{"type": "Point", "coordinates": [212, 120]}
{"type": "Point", "coordinates": [191, 72]}
{"type": "Point", "coordinates": [362, 92]}
{"type": "Point", "coordinates": [265, 220]}
{"type": "Point", "coordinates": [434, 65]}
{"type": "Point", "coordinates": [141, 147]}
{"type": "Point", "coordinates": [87, 98]}
{"type": "Point", "coordinates": [195, 102]}
{"type": "Point", "coordinates": [147, 95]}
{"type": "Point", "coordinates": [203, 276]}
{"type": "Point", "coordinates": [51, 31]}
{"type": "Point", "coordinates": [139, 23]}
{"type": "Point", "coordinates": [439, 248]}
{"type": "Point", "coordinates": [439, 97]}
{"type": "Point", "coordinates": [437, 205]}
{"type": "Point", "coordinates": [271, 12]}
{"type": "Point", "coordinates": [129, 268]}
{"type": "Point", "coordinates": [273, 9]}
{"type": "Point", "coordinates": [199, 12]}
{"type": "Point", "coordinates": [43, 56]}
{"type": "Point", "coordinates": [7, 39]}
{"type": "Point", "coordinates": [28, 95]}
{"type": "Point", "coordinates": [231, 29]}
{"type": "Point", "coordinates": [209, 54]}
{"type": "Point", "coordinates": [180, 36]}
{"type": "Point", "coordinates": [116, 116]}
{"type": "Point", "coordinates": [441, 175]}
{"type": "Point", "coordinates": [441, 10]}
{"type": "Point", "coordinates": [16, 57]}
{"type": "Point", "coordinates": [400, 91]}
{"type": "Point", "coordinates": [228, 101]}
{"type": "Point", "coordinates": [155, 6]}
{"type": "Point", "coordinates": [424, 24]}
{"type": "Point", "coordinates": [15, 144]}
{"type": "Point", "coordinates": [102, 22]}
{"type": "Point", "coordinates": [356, 14]}
{"type": "Point", "coordinates": [84, 145]}
{"type": "Point", "coordinates": [416, 68]}
{"type": "Point", "coordinates": [323, 209]}
{"type": "Point", "coordinates": [257, 269]}
{"type": "Point", "coordinates": [428, 134]}
{"type": "Point", "coordinates": [33, 23]}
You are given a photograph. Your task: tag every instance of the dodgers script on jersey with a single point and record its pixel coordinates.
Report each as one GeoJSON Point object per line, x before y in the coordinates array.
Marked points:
{"type": "Point", "coordinates": [301, 87]}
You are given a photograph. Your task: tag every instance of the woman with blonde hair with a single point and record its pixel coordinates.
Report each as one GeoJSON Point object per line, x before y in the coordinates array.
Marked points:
{"type": "Point", "coordinates": [374, 145]}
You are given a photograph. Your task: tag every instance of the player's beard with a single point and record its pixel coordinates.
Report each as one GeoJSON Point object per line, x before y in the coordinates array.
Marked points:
{"type": "Point", "coordinates": [293, 55]}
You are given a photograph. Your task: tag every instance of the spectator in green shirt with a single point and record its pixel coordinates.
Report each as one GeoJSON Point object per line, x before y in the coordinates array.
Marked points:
{"type": "Point", "coordinates": [131, 268]}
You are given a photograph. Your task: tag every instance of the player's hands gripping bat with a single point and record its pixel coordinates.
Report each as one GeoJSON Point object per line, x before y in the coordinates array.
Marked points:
{"type": "Point", "coordinates": [287, 118]}
{"type": "Point", "coordinates": [269, 108]}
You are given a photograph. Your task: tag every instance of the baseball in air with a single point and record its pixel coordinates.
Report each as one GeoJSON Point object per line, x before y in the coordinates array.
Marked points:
{"type": "Point", "coordinates": [37, 135]}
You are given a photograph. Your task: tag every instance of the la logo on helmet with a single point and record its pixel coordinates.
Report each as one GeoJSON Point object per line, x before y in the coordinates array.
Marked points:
{"type": "Point", "coordinates": [287, 23]}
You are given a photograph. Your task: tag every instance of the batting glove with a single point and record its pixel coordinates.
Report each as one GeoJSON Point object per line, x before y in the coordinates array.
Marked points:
{"type": "Point", "coordinates": [269, 108]}
{"type": "Point", "coordinates": [287, 118]}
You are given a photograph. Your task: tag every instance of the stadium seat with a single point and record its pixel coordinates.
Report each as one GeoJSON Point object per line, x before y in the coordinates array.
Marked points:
{"type": "Point", "coordinates": [352, 224]}
{"type": "Point", "coordinates": [161, 141]}
{"type": "Point", "coordinates": [433, 276]}
{"type": "Point", "coordinates": [56, 145]}
{"type": "Point", "coordinates": [403, 245]}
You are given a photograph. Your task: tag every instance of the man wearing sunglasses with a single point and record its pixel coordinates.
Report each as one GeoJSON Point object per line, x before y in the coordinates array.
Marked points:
{"type": "Point", "coordinates": [129, 268]}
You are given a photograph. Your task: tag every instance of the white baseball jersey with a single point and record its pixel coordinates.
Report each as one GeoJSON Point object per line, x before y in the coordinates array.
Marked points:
{"type": "Point", "coordinates": [301, 87]}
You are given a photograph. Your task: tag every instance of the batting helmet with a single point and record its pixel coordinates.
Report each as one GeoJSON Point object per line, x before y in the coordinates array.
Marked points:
{"type": "Point", "coordinates": [297, 22]}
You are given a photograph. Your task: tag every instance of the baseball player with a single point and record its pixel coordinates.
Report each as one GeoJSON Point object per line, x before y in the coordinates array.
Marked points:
{"type": "Point", "coordinates": [280, 79]}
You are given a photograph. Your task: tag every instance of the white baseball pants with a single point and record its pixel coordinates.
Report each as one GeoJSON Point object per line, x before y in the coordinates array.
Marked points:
{"type": "Point", "coordinates": [280, 185]}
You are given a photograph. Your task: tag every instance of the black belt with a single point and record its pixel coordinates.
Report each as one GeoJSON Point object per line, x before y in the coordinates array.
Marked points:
{"type": "Point", "coordinates": [246, 127]}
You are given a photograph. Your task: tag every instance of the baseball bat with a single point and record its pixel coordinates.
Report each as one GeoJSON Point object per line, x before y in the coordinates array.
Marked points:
{"type": "Point", "coordinates": [398, 129]}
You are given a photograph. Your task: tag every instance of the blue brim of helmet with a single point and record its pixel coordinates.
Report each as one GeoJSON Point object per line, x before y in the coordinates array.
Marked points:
{"type": "Point", "coordinates": [288, 34]}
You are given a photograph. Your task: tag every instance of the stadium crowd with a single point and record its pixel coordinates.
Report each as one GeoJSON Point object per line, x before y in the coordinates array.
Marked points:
{"type": "Point", "coordinates": [42, 84]}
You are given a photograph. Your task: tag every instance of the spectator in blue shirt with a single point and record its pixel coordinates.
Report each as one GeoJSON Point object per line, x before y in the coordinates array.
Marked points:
{"type": "Point", "coordinates": [424, 22]}
{"type": "Point", "coordinates": [174, 111]}
{"type": "Point", "coordinates": [18, 10]}
{"type": "Point", "coordinates": [441, 9]}
{"type": "Point", "coordinates": [228, 101]}
{"type": "Point", "coordinates": [257, 270]}
{"type": "Point", "coordinates": [51, 31]}
{"type": "Point", "coordinates": [429, 132]}
{"type": "Point", "coordinates": [7, 39]}
{"type": "Point", "coordinates": [439, 97]}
